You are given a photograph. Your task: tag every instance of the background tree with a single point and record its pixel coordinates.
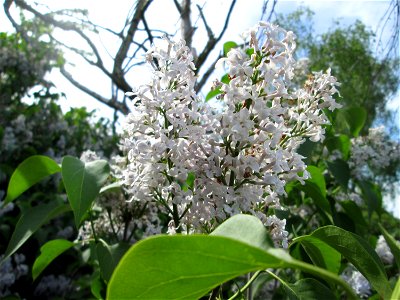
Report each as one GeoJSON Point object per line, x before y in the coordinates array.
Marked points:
{"type": "Point", "coordinates": [370, 78]}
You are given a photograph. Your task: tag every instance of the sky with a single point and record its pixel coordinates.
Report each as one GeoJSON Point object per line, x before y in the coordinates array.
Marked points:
{"type": "Point", "coordinates": [162, 14]}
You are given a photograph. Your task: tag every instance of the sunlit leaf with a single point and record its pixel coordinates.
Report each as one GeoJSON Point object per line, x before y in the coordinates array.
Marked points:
{"type": "Point", "coordinates": [48, 252]}
{"type": "Point", "coordinates": [315, 187]}
{"type": "Point", "coordinates": [29, 172]}
{"type": "Point", "coordinates": [228, 46]}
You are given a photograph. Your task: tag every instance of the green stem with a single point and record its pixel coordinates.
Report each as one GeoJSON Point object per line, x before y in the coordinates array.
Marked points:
{"type": "Point", "coordinates": [246, 286]}
{"type": "Point", "coordinates": [112, 224]}
{"type": "Point", "coordinates": [92, 225]}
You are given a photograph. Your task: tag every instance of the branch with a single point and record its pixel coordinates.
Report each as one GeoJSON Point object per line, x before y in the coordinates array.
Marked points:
{"type": "Point", "coordinates": [212, 42]}
{"type": "Point", "coordinates": [121, 55]}
{"type": "Point", "coordinates": [109, 102]}
{"type": "Point", "coordinates": [199, 85]}
{"type": "Point", "coordinates": [208, 29]}
{"type": "Point", "coordinates": [186, 24]}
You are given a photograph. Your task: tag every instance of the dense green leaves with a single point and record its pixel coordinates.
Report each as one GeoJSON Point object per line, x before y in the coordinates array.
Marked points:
{"type": "Point", "coordinates": [187, 267]}
{"type": "Point", "coordinates": [355, 118]}
{"type": "Point", "coordinates": [83, 183]}
{"type": "Point", "coordinates": [354, 212]}
{"type": "Point", "coordinates": [341, 171]}
{"type": "Point", "coordinates": [31, 221]}
{"type": "Point", "coordinates": [29, 172]}
{"type": "Point", "coordinates": [48, 252]}
{"type": "Point", "coordinates": [341, 143]}
{"type": "Point", "coordinates": [372, 196]}
{"type": "Point", "coordinates": [359, 253]}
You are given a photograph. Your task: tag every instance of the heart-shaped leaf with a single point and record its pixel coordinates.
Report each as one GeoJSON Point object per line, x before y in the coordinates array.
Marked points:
{"type": "Point", "coordinates": [83, 183]}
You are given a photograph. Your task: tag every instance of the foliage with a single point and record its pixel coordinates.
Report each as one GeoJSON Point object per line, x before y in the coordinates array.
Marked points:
{"type": "Point", "coordinates": [371, 81]}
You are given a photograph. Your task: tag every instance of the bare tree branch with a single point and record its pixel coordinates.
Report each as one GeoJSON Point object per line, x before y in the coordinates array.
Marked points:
{"type": "Point", "coordinates": [212, 42]}
{"type": "Point", "coordinates": [186, 24]}
{"type": "Point", "coordinates": [113, 103]}
{"type": "Point", "coordinates": [206, 75]}
{"type": "Point", "coordinates": [121, 55]}
{"type": "Point", "coordinates": [131, 43]}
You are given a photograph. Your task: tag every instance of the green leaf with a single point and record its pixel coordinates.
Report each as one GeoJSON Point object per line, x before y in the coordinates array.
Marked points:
{"type": "Point", "coordinates": [228, 46]}
{"type": "Point", "coordinates": [112, 187]}
{"type": "Point", "coordinates": [341, 171]}
{"type": "Point", "coordinates": [189, 183]}
{"type": "Point", "coordinates": [109, 256]}
{"type": "Point", "coordinates": [213, 93]}
{"type": "Point", "coordinates": [250, 51]}
{"type": "Point", "coordinates": [309, 289]}
{"type": "Point", "coordinates": [97, 286]}
{"type": "Point", "coordinates": [48, 252]}
{"type": "Point", "coordinates": [315, 188]}
{"type": "Point", "coordinates": [29, 172]}
{"type": "Point", "coordinates": [320, 253]}
{"type": "Point", "coordinates": [341, 143]}
{"type": "Point", "coordinates": [247, 229]}
{"type": "Point", "coordinates": [354, 118]}
{"type": "Point", "coordinates": [372, 196]}
{"type": "Point", "coordinates": [187, 267]}
{"type": "Point", "coordinates": [359, 253]}
{"type": "Point", "coordinates": [306, 289]}
{"type": "Point", "coordinates": [31, 221]}
{"type": "Point", "coordinates": [82, 183]}
{"type": "Point", "coordinates": [392, 243]}
{"type": "Point", "coordinates": [225, 79]}
{"type": "Point", "coordinates": [353, 212]}
{"type": "Point", "coordinates": [396, 291]}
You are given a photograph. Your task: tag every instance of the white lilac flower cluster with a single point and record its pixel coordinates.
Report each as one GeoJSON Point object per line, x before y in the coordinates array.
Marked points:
{"type": "Point", "coordinates": [11, 270]}
{"type": "Point", "coordinates": [204, 166]}
{"type": "Point", "coordinates": [373, 152]}
{"type": "Point", "coordinates": [357, 281]}
{"type": "Point", "coordinates": [119, 219]}
{"type": "Point", "coordinates": [52, 286]}
{"type": "Point", "coordinates": [383, 251]}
